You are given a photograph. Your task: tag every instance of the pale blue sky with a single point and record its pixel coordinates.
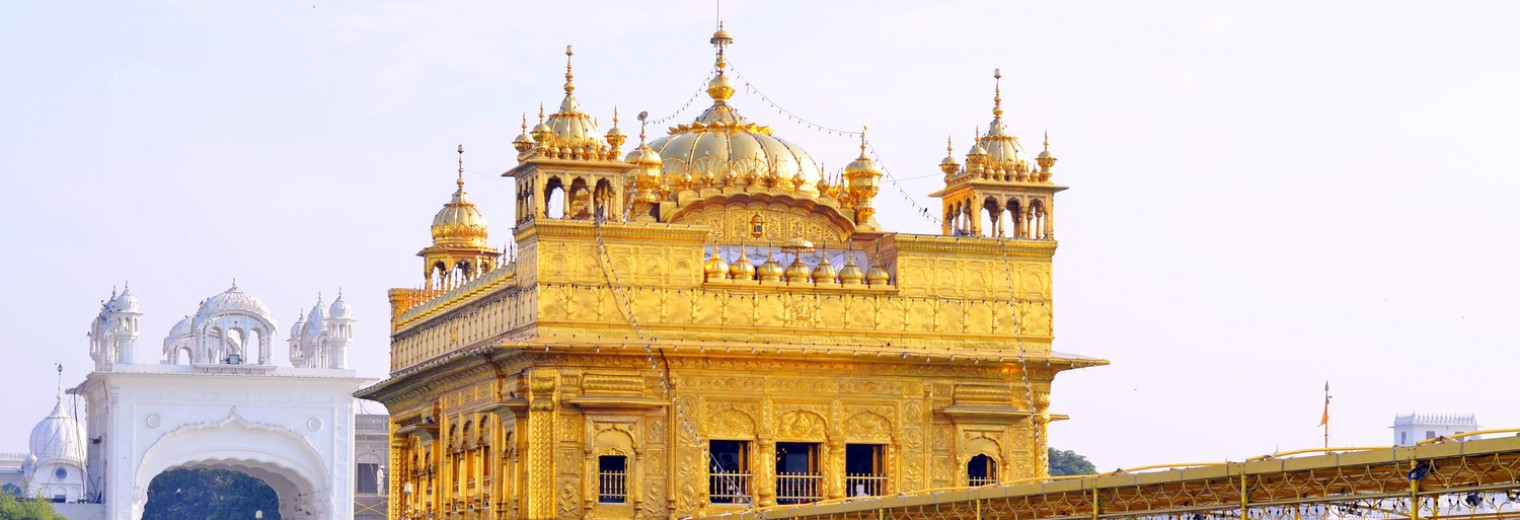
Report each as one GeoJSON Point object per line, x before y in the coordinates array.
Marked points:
{"type": "Point", "coordinates": [1265, 195]}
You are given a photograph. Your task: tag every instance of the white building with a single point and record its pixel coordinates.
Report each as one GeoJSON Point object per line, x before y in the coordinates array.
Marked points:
{"type": "Point", "coordinates": [1415, 427]}
{"type": "Point", "coordinates": [216, 400]}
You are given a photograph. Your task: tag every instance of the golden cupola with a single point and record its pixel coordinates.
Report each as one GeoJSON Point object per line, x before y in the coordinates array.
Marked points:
{"type": "Point", "coordinates": [722, 149]}
{"type": "Point", "coordinates": [569, 133]}
{"type": "Point", "coordinates": [459, 223]}
{"type": "Point", "coordinates": [999, 191]}
{"type": "Point", "coordinates": [460, 238]}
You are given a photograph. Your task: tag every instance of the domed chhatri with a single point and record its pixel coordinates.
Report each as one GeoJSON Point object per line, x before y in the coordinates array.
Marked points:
{"type": "Point", "coordinates": [460, 238]}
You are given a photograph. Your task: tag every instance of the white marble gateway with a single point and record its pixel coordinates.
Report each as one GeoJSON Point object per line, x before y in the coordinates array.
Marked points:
{"type": "Point", "coordinates": [218, 400]}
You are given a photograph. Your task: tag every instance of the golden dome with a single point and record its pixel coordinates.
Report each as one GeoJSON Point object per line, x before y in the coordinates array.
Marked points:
{"type": "Point", "coordinates": [741, 269]}
{"type": "Point", "coordinates": [877, 276]}
{"type": "Point", "coordinates": [1046, 160]}
{"type": "Point", "coordinates": [797, 272]}
{"type": "Point", "coordinates": [722, 148]}
{"type": "Point", "coordinates": [523, 143]}
{"type": "Point", "coordinates": [862, 165]}
{"type": "Point", "coordinates": [771, 270]}
{"type": "Point", "coordinates": [850, 273]}
{"type": "Point", "coordinates": [715, 268]}
{"type": "Point", "coordinates": [460, 223]}
{"type": "Point", "coordinates": [1002, 149]}
{"type": "Point", "coordinates": [824, 273]}
{"type": "Point", "coordinates": [948, 165]}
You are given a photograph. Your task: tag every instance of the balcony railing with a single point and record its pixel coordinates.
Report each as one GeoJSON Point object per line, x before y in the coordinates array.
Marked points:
{"type": "Point", "coordinates": [613, 486]}
{"type": "Point", "coordinates": [798, 488]}
{"type": "Point", "coordinates": [981, 481]}
{"type": "Point", "coordinates": [865, 485]}
{"type": "Point", "coordinates": [728, 488]}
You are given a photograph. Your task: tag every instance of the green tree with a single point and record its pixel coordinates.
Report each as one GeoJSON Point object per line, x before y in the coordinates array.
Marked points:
{"type": "Point", "coordinates": [209, 494]}
{"type": "Point", "coordinates": [12, 508]}
{"type": "Point", "coordinates": [1067, 462]}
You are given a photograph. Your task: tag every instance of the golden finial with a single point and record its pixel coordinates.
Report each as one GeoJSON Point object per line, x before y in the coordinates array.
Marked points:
{"type": "Point", "coordinates": [863, 129]}
{"type": "Point", "coordinates": [949, 148]}
{"type": "Point", "coordinates": [721, 40]}
{"type": "Point", "coordinates": [525, 123]}
{"type": "Point", "coordinates": [540, 112]}
{"type": "Point", "coordinates": [1047, 140]}
{"type": "Point", "coordinates": [643, 124]}
{"type": "Point", "coordinates": [997, 95]}
{"type": "Point", "coordinates": [569, 77]}
{"type": "Point", "coordinates": [460, 181]}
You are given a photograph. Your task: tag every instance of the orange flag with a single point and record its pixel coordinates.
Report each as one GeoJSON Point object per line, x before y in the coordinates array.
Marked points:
{"type": "Point", "coordinates": [1325, 417]}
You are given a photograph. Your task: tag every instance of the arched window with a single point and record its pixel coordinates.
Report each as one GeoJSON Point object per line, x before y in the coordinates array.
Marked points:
{"type": "Point", "coordinates": [982, 470]}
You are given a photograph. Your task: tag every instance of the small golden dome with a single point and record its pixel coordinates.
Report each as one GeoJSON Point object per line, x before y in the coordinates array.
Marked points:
{"type": "Point", "coordinates": [741, 269]}
{"type": "Point", "coordinates": [1046, 160]}
{"type": "Point", "coordinates": [615, 136]}
{"type": "Point", "coordinates": [797, 272]}
{"type": "Point", "coordinates": [877, 276]}
{"type": "Point", "coordinates": [541, 131]}
{"type": "Point", "coordinates": [862, 165]}
{"type": "Point", "coordinates": [523, 143]}
{"type": "Point", "coordinates": [824, 273]}
{"type": "Point", "coordinates": [460, 223]}
{"type": "Point", "coordinates": [948, 165]}
{"type": "Point", "coordinates": [771, 270]}
{"type": "Point", "coordinates": [851, 273]}
{"type": "Point", "coordinates": [643, 156]}
{"type": "Point", "coordinates": [715, 268]}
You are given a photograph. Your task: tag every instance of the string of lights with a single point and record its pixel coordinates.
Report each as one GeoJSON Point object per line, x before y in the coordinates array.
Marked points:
{"type": "Point", "coordinates": [684, 106]}
{"type": "Point", "coordinates": [920, 209]}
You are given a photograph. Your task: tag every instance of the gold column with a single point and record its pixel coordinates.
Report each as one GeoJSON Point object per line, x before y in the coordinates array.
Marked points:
{"type": "Point", "coordinates": [833, 469]}
{"type": "Point", "coordinates": [763, 471]}
{"type": "Point", "coordinates": [541, 411]}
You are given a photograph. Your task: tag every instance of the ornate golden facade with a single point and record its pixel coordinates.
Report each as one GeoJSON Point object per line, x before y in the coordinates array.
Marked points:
{"type": "Point", "coordinates": [713, 323]}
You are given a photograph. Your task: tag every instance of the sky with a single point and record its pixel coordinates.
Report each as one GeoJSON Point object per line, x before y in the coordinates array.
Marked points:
{"type": "Point", "coordinates": [1265, 196]}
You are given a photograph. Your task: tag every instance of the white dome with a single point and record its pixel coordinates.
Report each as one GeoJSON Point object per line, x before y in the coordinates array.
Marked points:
{"type": "Point", "coordinates": [340, 308]}
{"type": "Point", "coordinates": [183, 328]}
{"type": "Point", "coordinates": [234, 301]}
{"type": "Point", "coordinates": [295, 330]}
{"type": "Point", "coordinates": [125, 302]}
{"type": "Point", "coordinates": [58, 438]}
{"type": "Point", "coordinates": [315, 319]}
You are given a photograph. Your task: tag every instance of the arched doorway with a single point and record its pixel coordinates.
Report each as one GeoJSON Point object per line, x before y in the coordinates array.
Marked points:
{"type": "Point", "coordinates": [191, 492]}
{"type": "Point", "coordinates": [278, 457]}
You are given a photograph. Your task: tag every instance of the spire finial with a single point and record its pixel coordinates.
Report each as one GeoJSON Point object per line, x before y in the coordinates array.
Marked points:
{"type": "Point", "coordinates": [59, 365]}
{"type": "Point", "coordinates": [460, 181]}
{"type": "Point", "coordinates": [1047, 140]}
{"type": "Point", "coordinates": [614, 116]}
{"type": "Point", "coordinates": [721, 40]}
{"type": "Point", "coordinates": [997, 94]}
{"type": "Point", "coordinates": [234, 282]}
{"type": "Point", "coordinates": [643, 124]}
{"type": "Point", "coordinates": [949, 148]}
{"type": "Point", "coordinates": [863, 129]}
{"type": "Point", "coordinates": [525, 123]}
{"type": "Point", "coordinates": [569, 76]}
{"type": "Point", "coordinates": [540, 112]}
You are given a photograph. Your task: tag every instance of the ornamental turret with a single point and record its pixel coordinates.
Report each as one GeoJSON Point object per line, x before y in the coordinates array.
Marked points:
{"type": "Point", "coordinates": [566, 167]}
{"type": "Point", "coordinates": [460, 249]}
{"type": "Point", "coordinates": [113, 334]}
{"type": "Point", "coordinates": [998, 192]}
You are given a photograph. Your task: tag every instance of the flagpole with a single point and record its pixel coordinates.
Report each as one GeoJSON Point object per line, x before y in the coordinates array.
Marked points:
{"type": "Point", "coordinates": [1326, 417]}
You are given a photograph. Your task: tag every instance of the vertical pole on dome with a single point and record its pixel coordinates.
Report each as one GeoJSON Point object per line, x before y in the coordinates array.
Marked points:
{"type": "Point", "coordinates": [460, 180]}
{"type": "Point", "coordinates": [569, 76]}
{"type": "Point", "coordinates": [997, 92]}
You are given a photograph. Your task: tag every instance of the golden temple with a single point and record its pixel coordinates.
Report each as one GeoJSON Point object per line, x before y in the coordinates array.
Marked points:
{"type": "Point", "coordinates": [714, 323]}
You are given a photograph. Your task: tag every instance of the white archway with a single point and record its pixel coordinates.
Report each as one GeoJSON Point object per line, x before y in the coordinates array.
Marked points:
{"type": "Point", "coordinates": [281, 458]}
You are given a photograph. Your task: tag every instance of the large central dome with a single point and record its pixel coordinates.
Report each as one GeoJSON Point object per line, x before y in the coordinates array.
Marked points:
{"type": "Point", "coordinates": [722, 148]}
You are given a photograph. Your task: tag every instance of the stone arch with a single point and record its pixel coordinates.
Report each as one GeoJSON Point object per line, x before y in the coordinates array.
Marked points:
{"type": "Point", "coordinates": [281, 458]}
{"type": "Point", "coordinates": [613, 441]}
